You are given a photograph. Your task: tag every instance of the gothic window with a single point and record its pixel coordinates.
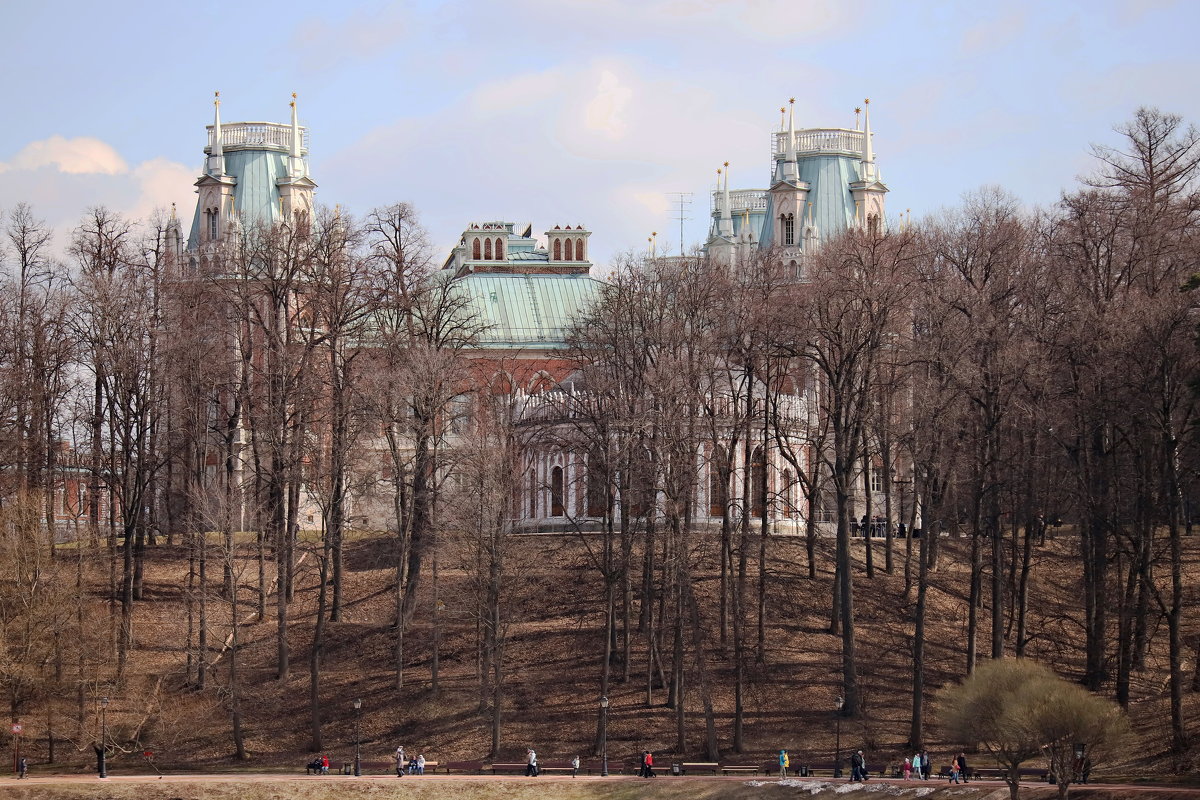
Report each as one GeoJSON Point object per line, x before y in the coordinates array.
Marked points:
{"type": "Point", "coordinates": [568, 250]}
{"type": "Point", "coordinates": [640, 483]}
{"type": "Point", "coordinates": [789, 506]}
{"type": "Point", "coordinates": [579, 250]}
{"type": "Point", "coordinates": [212, 224]}
{"type": "Point", "coordinates": [558, 250]}
{"type": "Point", "coordinates": [499, 250]}
{"type": "Point", "coordinates": [487, 249]}
{"type": "Point", "coordinates": [475, 249]}
{"type": "Point", "coordinates": [533, 493]}
{"type": "Point", "coordinates": [758, 482]}
{"type": "Point", "coordinates": [597, 485]}
{"type": "Point", "coordinates": [788, 223]}
{"type": "Point", "coordinates": [718, 487]}
{"type": "Point", "coordinates": [556, 492]}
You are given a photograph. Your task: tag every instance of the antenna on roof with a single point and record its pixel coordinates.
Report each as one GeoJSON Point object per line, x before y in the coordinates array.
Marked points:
{"type": "Point", "coordinates": [684, 199]}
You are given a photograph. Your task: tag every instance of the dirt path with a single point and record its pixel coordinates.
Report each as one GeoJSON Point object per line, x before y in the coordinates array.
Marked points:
{"type": "Point", "coordinates": [265, 786]}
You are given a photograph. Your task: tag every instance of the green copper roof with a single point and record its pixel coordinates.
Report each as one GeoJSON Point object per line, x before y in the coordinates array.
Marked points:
{"type": "Point", "coordinates": [527, 310]}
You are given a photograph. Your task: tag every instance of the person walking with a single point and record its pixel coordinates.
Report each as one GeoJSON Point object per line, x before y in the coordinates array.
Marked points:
{"type": "Point", "coordinates": [954, 770]}
{"type": "Point", "coordinates": [400, 759]}
{"type": "Point", "coordinates": [907, 768]}
{"type": "Point", "coordinates": [531, 768]}
{"type": "Point", "coordinates": [916, 764]}
{"type": "Point", "coordinates": [961, 760]}
{"type": "Point", "coordinates": [575, 767]}
{"type": "Point", "coordinates": [926, 768]}
{"type": "Point", "coordinates": [648, 763]}
{"type": "Point", "coordinates": [783, 764]}
{"type": "Point", "coordinates": [858, 767]}
{"type": "Point", "coordinates": [22, 767]}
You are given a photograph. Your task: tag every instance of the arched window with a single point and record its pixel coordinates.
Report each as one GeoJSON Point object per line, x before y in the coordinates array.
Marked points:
{"type": "Point", "coordinates": [568, 251]}
{"type": "Point", "coordinates": [212, 225]}
{"type": "Point", "coordinates": [640, 483]}
{"type": "Point", "coordinates": [718, 484]}
{"type": "Point", "coordinates": [597, 485]}
{"type": "Point", "coordinates": [579, 250]}
{"type": "Point", "coordinates": [475, 249]}
{"type": "Point", "coordinates": [556, 492]}
{"type": "Point", "coordinates": [788, 227]}
{"type": "Point", "coordinates": [758, 482]}
{"type": "Point", "coordinates": [499, 249]}
{"type": "Point", "coordinates": [533, 493]}
{"type": "Point", "coordinates": [558, 250]}
{"type": "Point", "coordinates": [487, 249]}
{"type": "Point", "coordinates": [789, 504]}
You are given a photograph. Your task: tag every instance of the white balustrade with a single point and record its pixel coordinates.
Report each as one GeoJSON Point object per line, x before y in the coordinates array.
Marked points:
{"type": "Point", "coordinates": [819, 140]}
{"type": "Point", "coordinates": [258, 134]}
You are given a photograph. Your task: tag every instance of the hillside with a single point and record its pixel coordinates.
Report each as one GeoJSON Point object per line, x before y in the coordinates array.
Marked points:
{"type": "Point", "coordinates": [553, 665]}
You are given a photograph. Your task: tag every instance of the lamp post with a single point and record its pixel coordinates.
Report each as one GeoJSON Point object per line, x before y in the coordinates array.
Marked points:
{"type": "Point", "coordinates": [103, 756]}
{"type": "Point", "coordinates": [837, 759]}
{"type": "Point", "coordinates": [604, 736]}
{"type": "Point", "coordinates": [357, 739]}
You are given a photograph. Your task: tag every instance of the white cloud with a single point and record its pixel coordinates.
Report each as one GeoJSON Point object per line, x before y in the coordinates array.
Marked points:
{"type": "Point", "coordinates": [605, 111]}
{"type": "Point", "coordinates": [82, 155]}
{"type": "Point", "coordinates": [61, 178]}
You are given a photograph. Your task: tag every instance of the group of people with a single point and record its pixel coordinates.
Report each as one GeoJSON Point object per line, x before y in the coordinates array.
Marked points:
{"type": "Point", "coordinates": [319, 765]}
{"type": "Point", "coordinates": [414, 766]}
{"type": "Point", "coordinates": [919, 765]}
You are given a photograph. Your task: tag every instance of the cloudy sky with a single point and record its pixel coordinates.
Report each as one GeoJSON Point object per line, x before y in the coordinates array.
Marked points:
{"type": "Point", "coordinates": [575, 111]}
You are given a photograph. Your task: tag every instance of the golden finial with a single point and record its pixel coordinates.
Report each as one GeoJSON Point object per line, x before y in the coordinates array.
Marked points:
{"type": "Point", "coordinates": [718, 170]}
{"type": "Point", "coordinates": [216, 98]}
{"type": "Point", "coordinates": [726, 165]}
{"type": "Point", "coordinates": [172, 211]}
{"type": "Point", "coordinates": [654, 233]}
{"type": "Point", "coordinates": [782, 109]}
{"type": "Point", "coordinates": [858, 109]}
{"type": "Point", "coordinates": [791, 100]}
{"type": "Point", "coordinates": [867, 102]}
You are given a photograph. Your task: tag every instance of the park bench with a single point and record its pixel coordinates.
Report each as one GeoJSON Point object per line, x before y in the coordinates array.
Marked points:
{"type": "Point", "coordinates": [711, 767]}
{"type": "Point", "coordinates": [498, 767]}
{"type": "Point", "coordinates": [558, 767]}
{"type": "Point", "coordinates": [740, 769]}
{"type": "Point", "coordinates": [470, 767]}
{"type": "Point", "coordinates": [814, 768]}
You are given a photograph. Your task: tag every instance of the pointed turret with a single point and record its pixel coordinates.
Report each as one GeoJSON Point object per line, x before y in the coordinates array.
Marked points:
{"type": "Point", "coordinates": [791, 170]}
{"type": "Point", "coordinates": [726, 228]}
{"type": "Point", "coordinates": [216, 154]}
{"type": "Point", "coordinates": [295, 162]}
{"type": "Point", "coordinates": [868, 160]}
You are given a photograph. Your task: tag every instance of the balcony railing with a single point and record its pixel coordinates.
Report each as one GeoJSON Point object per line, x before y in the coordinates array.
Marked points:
{"type": "Point", "coordinates": [819, 140]}
{"type": "Point", "coordinates": [254, 135]}
{"type": "Point", "coordinates": [742, 200]}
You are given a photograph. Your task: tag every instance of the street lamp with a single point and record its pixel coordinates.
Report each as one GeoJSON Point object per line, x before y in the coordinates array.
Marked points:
{"type": "Point", "coordinates": [837, 759]}
{"type": "Point", "coordinates": [604, 736]}
{"type": "Point", "coordinates": [357, 740]}
{"type": "Point", "coordinates": [102, 757]}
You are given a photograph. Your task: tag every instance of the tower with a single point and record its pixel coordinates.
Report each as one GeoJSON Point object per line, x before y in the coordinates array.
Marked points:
{"type": "Point", "coordinates": [868, 190]}
{"type": "Point", "coordinates": [255, 173]}
{"type": "Point", "coordinates": [823, 181]}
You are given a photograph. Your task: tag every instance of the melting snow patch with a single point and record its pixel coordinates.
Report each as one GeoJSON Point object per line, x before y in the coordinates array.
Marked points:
{"type": "Point", "coordinates": [818, 787]}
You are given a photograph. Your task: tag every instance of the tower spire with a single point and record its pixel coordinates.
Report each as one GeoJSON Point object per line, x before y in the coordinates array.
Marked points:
{"type": "Point", "coordinates": [791, 151]}
{"type": "Point", "coordinates": [295, 164]}
{"type": "Point", "coordinates": [216, 156]}
{"type": "Point", "coordinates": [868, 148]}
{"type": "Point", "coordinates": [726, 210]}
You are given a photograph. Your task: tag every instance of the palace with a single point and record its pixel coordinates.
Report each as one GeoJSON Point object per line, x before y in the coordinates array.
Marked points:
{"type": "Point", "coordinates": [526, 291]}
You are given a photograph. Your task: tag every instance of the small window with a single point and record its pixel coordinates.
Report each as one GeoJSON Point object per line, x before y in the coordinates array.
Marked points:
{"type": "Point", "coordinates": [788, 223]}
{"type": "Point", "coordinates": [556, 492]}
{"type": "Point", "coordinates": [212, 225]}
{"type": "Point", "coordinates": [876, 480]}
{"type": "Point", "coordinates": [579, 250]}
{"type": "Point", "coordinates": [758, 483]}
{"type": "Point", "coordinates": [558, 250]}
{"type": "Point", "coordinates": [499, 249]}
{"type": "Point", "coordinates": [597, 485]}
{"type": "Point", "coordinates": [475, 249]}
{"type": "Point", "coordinates": [487, 249]}
{"type": "Point", "coordinates": [718, 489]}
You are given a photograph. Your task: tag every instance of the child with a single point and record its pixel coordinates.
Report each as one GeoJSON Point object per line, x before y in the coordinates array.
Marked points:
{"type": "Point", "coordinates": [575, 767]}
{"type": "Point", "coordinates": [907, 768]}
